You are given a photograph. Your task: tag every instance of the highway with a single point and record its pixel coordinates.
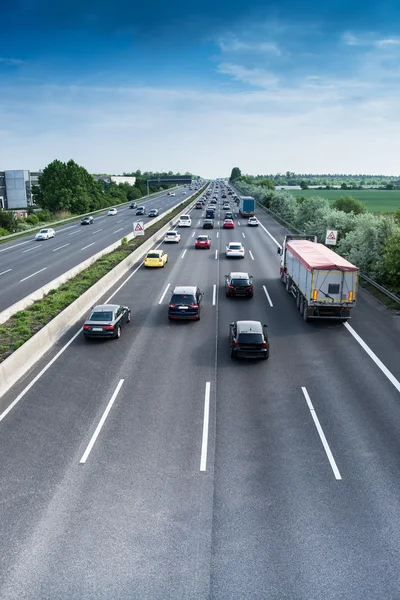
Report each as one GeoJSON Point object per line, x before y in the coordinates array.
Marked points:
{"type": "Point", "coordinates": [27, 264]}
{"type": "Point", "coordinates": [156, 467]}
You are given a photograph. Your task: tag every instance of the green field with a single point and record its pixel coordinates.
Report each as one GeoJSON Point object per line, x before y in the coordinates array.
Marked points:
{"type": "Point", "coordinates": [376, 201]}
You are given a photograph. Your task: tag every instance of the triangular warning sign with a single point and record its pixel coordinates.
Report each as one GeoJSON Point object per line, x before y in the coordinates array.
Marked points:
{"type": "Point", "coordinates": [331, 235]}
{"type": "Point", "coordinates": [138, 227]}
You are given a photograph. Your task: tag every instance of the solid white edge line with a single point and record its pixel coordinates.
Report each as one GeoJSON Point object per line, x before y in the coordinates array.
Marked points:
{"type": "Point", "coordinates": [2, 273]}
{"type": "Point", "coordinates": [216, 254]}
{"type": "Point", "coordinates": [204, 443]}
{"type": "Point", "coordinates": [321, 434]}
{"type": "Point", "coordinates": [38, 376]}
{"type": "Point", "coordinates": [184, 252]}
{"type": "Point", "coordinates": [372, 355]}
{"type": "Point", "coordinates": [163, 296]}
{"type": "Point", "coordinates": [101, 423]}
{"type": "Point", "coordinates": [214, 294]}
{"type": "Point", "coordinates": [268, 298]}
{"type": "Point", "coordinates": [251, 255]}
{"type": "Point", "coordinates": [270, 235]}
{"type": "Point", "coordinates": [29, 276]}
{"type": "Point", "coordinates": [88, 246]}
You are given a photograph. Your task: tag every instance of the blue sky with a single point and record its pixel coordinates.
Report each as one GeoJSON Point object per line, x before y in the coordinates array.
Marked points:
{"type": "Point", "coordinates": [309, 87]}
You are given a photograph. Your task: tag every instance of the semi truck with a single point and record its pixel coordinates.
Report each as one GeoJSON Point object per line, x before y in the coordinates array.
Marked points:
{"type": "Point", "coordinates": [324, 284]}
{"type": "Point", "coordinates": [246, 206]}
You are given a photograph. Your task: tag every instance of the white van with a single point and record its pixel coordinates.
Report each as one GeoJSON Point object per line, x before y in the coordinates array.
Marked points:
{"type": "Point", "coordinates": [184, 221]}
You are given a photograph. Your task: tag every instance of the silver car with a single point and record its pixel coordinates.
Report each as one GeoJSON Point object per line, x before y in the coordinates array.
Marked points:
{"type": "Point", "coordinates": [45, 234]}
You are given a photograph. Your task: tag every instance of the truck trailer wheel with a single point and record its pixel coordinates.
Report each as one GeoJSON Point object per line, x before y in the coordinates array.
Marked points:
{"type": "Point", "coordinates": [298, 299]}
{"type": "Point", "coordinates": [301, 304]}
{"type": "Point", "coordinates": [305, 312]}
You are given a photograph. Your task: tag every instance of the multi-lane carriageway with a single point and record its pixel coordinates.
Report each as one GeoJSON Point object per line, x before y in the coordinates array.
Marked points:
{"type": "Point", "coordinates": [26, 264]}
{"type": "Point", "coordinates": [155, 467]}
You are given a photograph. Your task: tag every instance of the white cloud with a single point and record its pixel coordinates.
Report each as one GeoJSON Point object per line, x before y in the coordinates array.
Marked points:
{"type": "Point", "coordinates": [11, 61]}
{"type": "Point", "coordinates": [256, 77]}
{"type": "Point", "coordinates": [236, 45]}
{"type": "Point", "coordinates": [351, 40]}
{"type": "Point", "coordinates": [387, 42]}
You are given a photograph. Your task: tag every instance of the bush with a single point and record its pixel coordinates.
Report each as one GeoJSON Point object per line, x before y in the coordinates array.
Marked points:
{"type": "Point", "coordinates": [45, 216]}
{"type": "Point", "coordinates": [3, 232]}
{"type": "Point", "coordinates": [32, 219]}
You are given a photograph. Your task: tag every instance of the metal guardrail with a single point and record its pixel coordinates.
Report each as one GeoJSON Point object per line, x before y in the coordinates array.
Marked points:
{"type": "Point", "coordinates": [366, 277]}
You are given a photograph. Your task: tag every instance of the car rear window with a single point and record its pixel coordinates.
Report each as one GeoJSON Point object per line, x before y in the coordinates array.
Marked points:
{"type": "Point", "coordinates": [153, 255]}
{"type": "Point", "coordinates": [239, 282]}
{"type": "Point", "coordinates": [101, 316]}
{"type": "Point", "coordinates": [235, 246]}
{"type": "Point", "coordinates": [184, 218]}
{"type": "Point", "coordinates": [183, 299]}
{"type": "Point", "coordinates": [250, 338]}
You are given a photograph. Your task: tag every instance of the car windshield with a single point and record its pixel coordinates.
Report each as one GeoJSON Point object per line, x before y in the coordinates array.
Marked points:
{"type": "Point", "coordinates": [153, 255]}
{"type": "Point", "coordinates": [183, 299]}
{"type": "Point", "coordinates": [239, 282]}
{"type": "Point", "coordinates": [250, 338]}
{"type": "Point", "coordinates": [101, 316]}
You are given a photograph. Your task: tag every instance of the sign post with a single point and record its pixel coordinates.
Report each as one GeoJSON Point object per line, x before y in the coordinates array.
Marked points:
{"type": "Point", "coordinates": [138, 228]}
{"type": "Point", "coordinates": [331, 237]}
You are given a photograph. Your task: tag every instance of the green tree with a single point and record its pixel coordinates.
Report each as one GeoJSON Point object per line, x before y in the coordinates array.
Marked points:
{"type": "Point", "coordinates": [349, 204]}
{"type": "Point", "coordinates": [236, 173]}
{"type": "Point", "coordinates": [304, 185]}
{"type": "Point", "coordinates": [8, 221]}
{"type": "Point", "coordinates": [267, 183]}
{"type": "Point", "coordinates": [65, 186]}
{"type": "Point", "coordinates": [388, 269]}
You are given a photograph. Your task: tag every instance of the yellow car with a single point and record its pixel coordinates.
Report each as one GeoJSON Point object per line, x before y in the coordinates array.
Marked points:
{"type": "Point", "coordinates": [156, 258]}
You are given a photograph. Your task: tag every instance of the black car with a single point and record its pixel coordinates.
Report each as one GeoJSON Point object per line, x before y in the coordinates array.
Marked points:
{"type": "Point", "coordinates": [208, 224]}
{"type": "Point", "coordinates": [153, 213]}
{"type": "Point", "coordinates": [239, 284]}
{"type": "Point", "coordinates": [185, 303]}
{"type": "Point", "coordinates": [248, 339]}
{"type": "Point", "coordinates": [106, 320]}
{"type": "Point", "coordinates": [87, 221]}
{"type": "Point", "coordinates": [133, 205]}
{"type": "Point", "coordinates": [141, 210]}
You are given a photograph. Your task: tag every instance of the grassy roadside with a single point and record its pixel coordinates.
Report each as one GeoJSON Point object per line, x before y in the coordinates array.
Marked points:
{"type": "Point", "coordinates": [24, 324]}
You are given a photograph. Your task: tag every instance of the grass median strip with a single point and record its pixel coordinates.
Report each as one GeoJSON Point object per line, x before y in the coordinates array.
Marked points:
{"type": "Point", "coordinates": [24, 324]}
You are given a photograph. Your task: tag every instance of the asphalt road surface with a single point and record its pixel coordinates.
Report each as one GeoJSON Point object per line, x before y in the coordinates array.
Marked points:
{"type": "Point", "coordinates": [209, 478]}
{"type": "Point", "coordinates": [27, 264]}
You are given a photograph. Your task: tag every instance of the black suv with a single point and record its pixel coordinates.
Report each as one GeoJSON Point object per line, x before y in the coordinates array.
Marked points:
{"type": "Point", "coordinates": [239, 284]}
{"type": "Point", "coordinates": [248, 339]}
{"type": "Point", "coordinates": [185, 303]}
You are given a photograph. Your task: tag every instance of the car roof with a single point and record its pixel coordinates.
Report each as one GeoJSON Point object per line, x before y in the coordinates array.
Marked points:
{"type": "Point", "coordinates": [155, 251]}
{"type": "Point", "coordinates": [172, 233]}
{"type": "Point", "coordinates": [188, 216]}
{"type": "Point", "coordinates": [249, 327]}
{"type": "Point", "coordinates": [185, 289]}
{"type": "Point", "coordinates": [237, 275]}
{"type": "Point", "coordinates": [236, 243]}
{"type": "Point", "coordinates": [105, 307]}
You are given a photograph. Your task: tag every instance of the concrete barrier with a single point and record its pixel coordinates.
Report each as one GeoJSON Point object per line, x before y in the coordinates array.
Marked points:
{"type": "Point", "coordinates": [58, 281]}
{"type": "Point", "coordinates": [23, 359]}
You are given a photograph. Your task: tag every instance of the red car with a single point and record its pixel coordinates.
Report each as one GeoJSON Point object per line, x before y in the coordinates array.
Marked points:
{"type": "Point", "coordinates": [228, 224]}
{"type": "Point", "coordinates": [203, 241]}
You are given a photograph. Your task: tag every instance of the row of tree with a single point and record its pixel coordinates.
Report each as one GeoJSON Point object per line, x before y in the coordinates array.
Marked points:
{"type": "Point", "coordinates": [68, 187]}
{"type": "Point", "coordinates": [350, 182]}
{"type": "Point", "coordinates": [372, 242]}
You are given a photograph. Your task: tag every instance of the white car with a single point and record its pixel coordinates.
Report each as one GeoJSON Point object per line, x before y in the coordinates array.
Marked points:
{"type": "Point", "coordinates": [112, 212]}
{"type": "Point", "coordinates": [184, 193]}
{"type": "Point", "coordinates": [184, 221]}
{"type": "Point", "coordinates": [252, 222]}
{"type": "Point", "coordinates": [172, 194]}
{"type": "Point", "coordinates": [234, 250]}
{"type": "Point", "coordinates": [45, 234]}
{"type": "Point", "coordinates": [172, 236]}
